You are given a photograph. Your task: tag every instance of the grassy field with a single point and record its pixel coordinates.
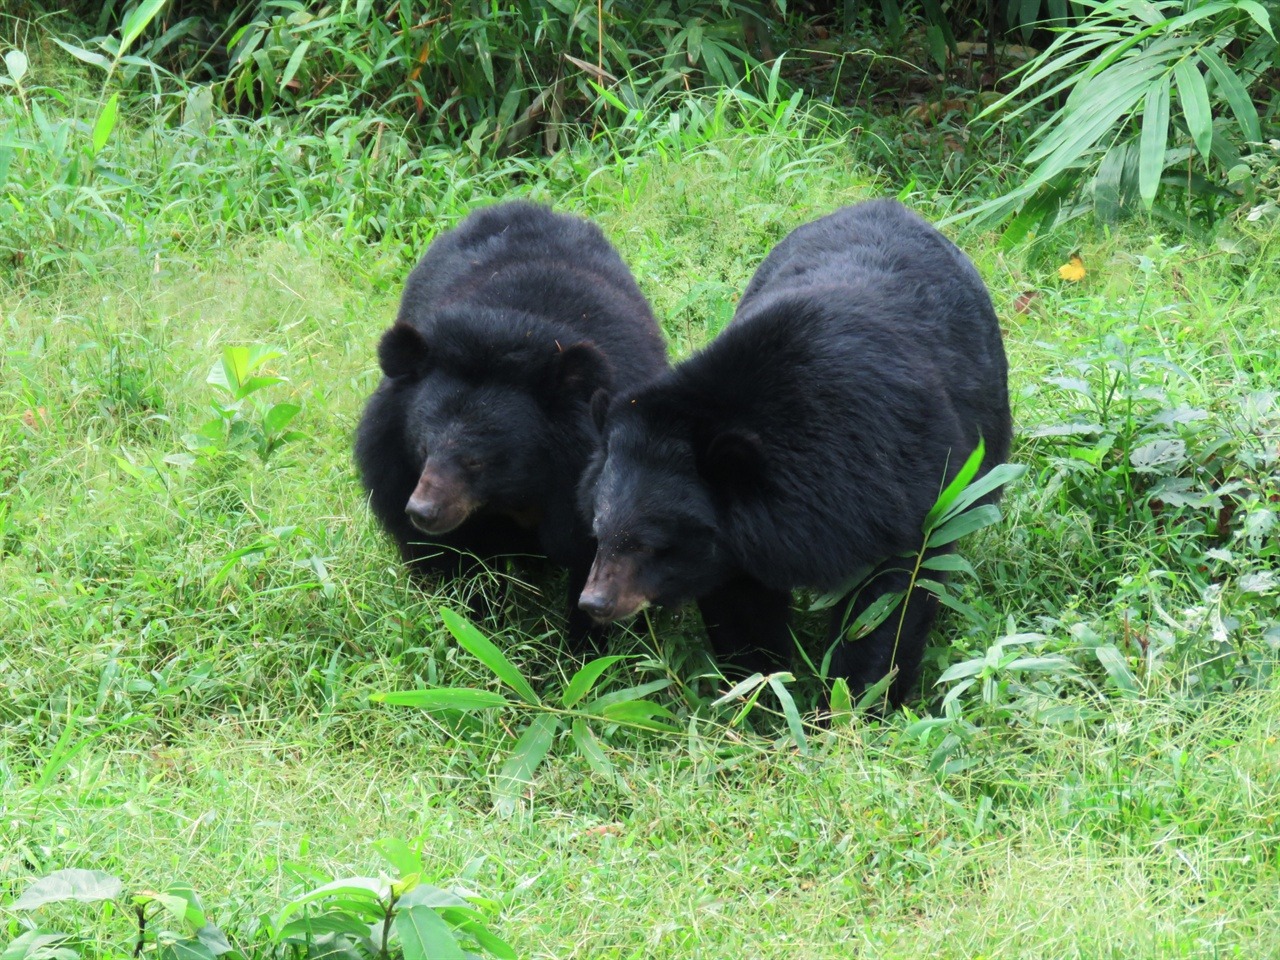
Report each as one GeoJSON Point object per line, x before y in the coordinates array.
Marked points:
{"type": "Point", "coordinates": [191, 634]}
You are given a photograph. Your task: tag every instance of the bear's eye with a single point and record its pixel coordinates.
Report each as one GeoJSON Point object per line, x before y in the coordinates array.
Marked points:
{"type": "Point", "coordinates": [471, 464]}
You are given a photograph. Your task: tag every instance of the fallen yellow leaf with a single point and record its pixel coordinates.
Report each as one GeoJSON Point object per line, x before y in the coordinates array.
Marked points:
{"type": "Point", "coordinates": [1073, 270]}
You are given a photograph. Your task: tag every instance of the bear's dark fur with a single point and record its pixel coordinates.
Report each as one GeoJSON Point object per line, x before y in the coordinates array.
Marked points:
{"type": "Point", "coordinates": [473, 444]}
{"type": "Point", "coordinates": [806, 443]}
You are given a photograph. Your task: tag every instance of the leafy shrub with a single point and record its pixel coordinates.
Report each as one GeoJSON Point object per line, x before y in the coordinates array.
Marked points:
{"type": "Point", "coordinates": [1159, 113]}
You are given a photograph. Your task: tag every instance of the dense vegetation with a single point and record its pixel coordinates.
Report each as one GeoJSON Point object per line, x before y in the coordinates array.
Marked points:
{"type": "Point", "coordinates": [204, 642]}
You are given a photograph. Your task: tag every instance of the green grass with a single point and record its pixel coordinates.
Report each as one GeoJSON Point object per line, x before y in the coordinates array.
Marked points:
{"type": "Point", "coordinates": [172, 708]}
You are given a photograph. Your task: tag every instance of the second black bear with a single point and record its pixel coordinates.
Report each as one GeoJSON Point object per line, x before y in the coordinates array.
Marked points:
{"type": "Point", "coordinates": [473, 444]}
{"type": "Point", "coordinates": [806, 443]}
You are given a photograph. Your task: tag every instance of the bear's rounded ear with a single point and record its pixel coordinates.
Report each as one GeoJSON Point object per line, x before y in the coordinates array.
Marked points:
{"type": "Point", "coordinates": [580, 370]}
{"type": "Point", "coordinates": [403, 352]}
{"type": "Point", "coordinates": [733, 456]}
{"type": "Point", "coordinates": [600, 408]}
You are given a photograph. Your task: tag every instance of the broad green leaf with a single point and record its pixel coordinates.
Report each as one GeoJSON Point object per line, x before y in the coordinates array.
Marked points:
{"type": "Point", "coordinates": [137, 21]}
{"type": "Point", "coordinates": [83, 886]}
{"type": "Point", "coordinates": [368, 892]}
{"type": "Point", "coordinates": [444, 698]}
{"type": "Point", "coordinates": [424, 936]}
{"type": "Point", "coordinates": [586, 678]}
{"type": "Point", "coordinates": [1037, 664]}
{"type": "Point", "coordinates": [402, 857]}
{"type": "Point", "coordinates": [41, 944]}
{"type": "Point", "coordinates": [968, 470]}
{"type": "Point", "coordinates": [1259, 13]}
{"type": "Point", "coordinates": [841, 700]}
{"type": "Point", "coordinates": [1194, 97]}
{"type": "Point", "coordinates": [876, 613]}
{"type": "Point", "coordinates": [425, 895]}
{"type": "Point", "coordinates": [589, 746]}
{"type": "Point", "coordinates": [527, 755]}
{"type": "Point", "coordinates": [105, 123]}
{"type": "Point", "coordinates": [305, 929]}
{"type": "Point", "coordinates": [1154, 141]}
{"type": "Point", "coordinates": [789, 711]}
{"type": "Point", "coordinates": [488, 940]}
{"type": "Point", "coordinates": [278, 416]}
{"type": "Point", "coordinates": [190, 949]}
{"type": "Point", "coordinates": [1108, 183]}
{"type": "Point", "coordinates": [184, 904]}
{"type": "Point", "coordinates": [965, 523]}
{"type": "Point", "coordinates": [252, 385]}
{"type": "Point", "coordinates": [16, 62]}
{"type": "Point", "coordinates": [482, 648]}
{"type": "Point", "coordinates": [1236, 94]}
{"type": "Point", "coordinates": [214, 939]}
{"type": "Point", "coordinates": [1117, 667]}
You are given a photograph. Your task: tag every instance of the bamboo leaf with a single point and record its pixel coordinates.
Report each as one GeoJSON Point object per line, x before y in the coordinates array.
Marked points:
{"type": "Point", "coordinates": [964, 524]}
{"type": "Point", "coordinates": [589, 746]}
{"type": "Point", "coordinates": [586, 678]}
{"type": "Point", "coordinates": [968, 470]}
{"type": "Point", "coordinates": [789, 711]}
{"type": "Point", "coordinates": [106, 122]}
{"type": "Point", "coordinates": [482, 648]}
{"type": "Point", "coordinates": [876, 613]}
{"type": "Point", "coordinates": [1154, 140]}
{"type": "Point", "coordinates": [444, 698]}
{"type": "Point", "coordinates": [1194, 97]}
{"type": "Point", "coordinates": [1236, 94]}
{"type": "Point", "coordinates": [529, 752]}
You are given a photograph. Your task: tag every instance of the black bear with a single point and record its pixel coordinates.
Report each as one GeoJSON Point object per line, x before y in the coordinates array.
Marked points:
{"type": "Point", "coordinates": [806, 443]}
{"type": "Point", "coordinates": [473, 444]}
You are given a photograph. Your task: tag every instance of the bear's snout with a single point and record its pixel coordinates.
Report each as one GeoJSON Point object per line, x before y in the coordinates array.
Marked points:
{"type": "Point", "coordinates": [610, 593]}
{"type": "Point", "coordinates": [440, 503]}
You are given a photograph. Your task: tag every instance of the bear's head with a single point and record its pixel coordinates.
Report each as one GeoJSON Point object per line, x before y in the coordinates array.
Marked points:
{"type": "Point", "coordinates": [494, 417]}
{"type": "Point", "coordinates": [655, 494]}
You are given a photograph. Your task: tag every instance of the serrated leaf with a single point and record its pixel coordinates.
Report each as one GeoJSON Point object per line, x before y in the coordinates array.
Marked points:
{"type": "Point", "coordinates": [483, 649]}
{"type": "Point", "coordinates": [964, 524]}
{"type": "Point", "coordinates": [82, 886]}
{"type": "Point", "coordinates": [1153, 141]}
{"type": "Point", "coordinates": [425, 936]}
{"type": "Point", "coordinates": [530, 750]}
{"type": "Point", "coordinates": [444, 698]}
{"type": "Point", "coordinates": [582, 682]}
{"type": "Point", "coordinates": [106, 122]}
